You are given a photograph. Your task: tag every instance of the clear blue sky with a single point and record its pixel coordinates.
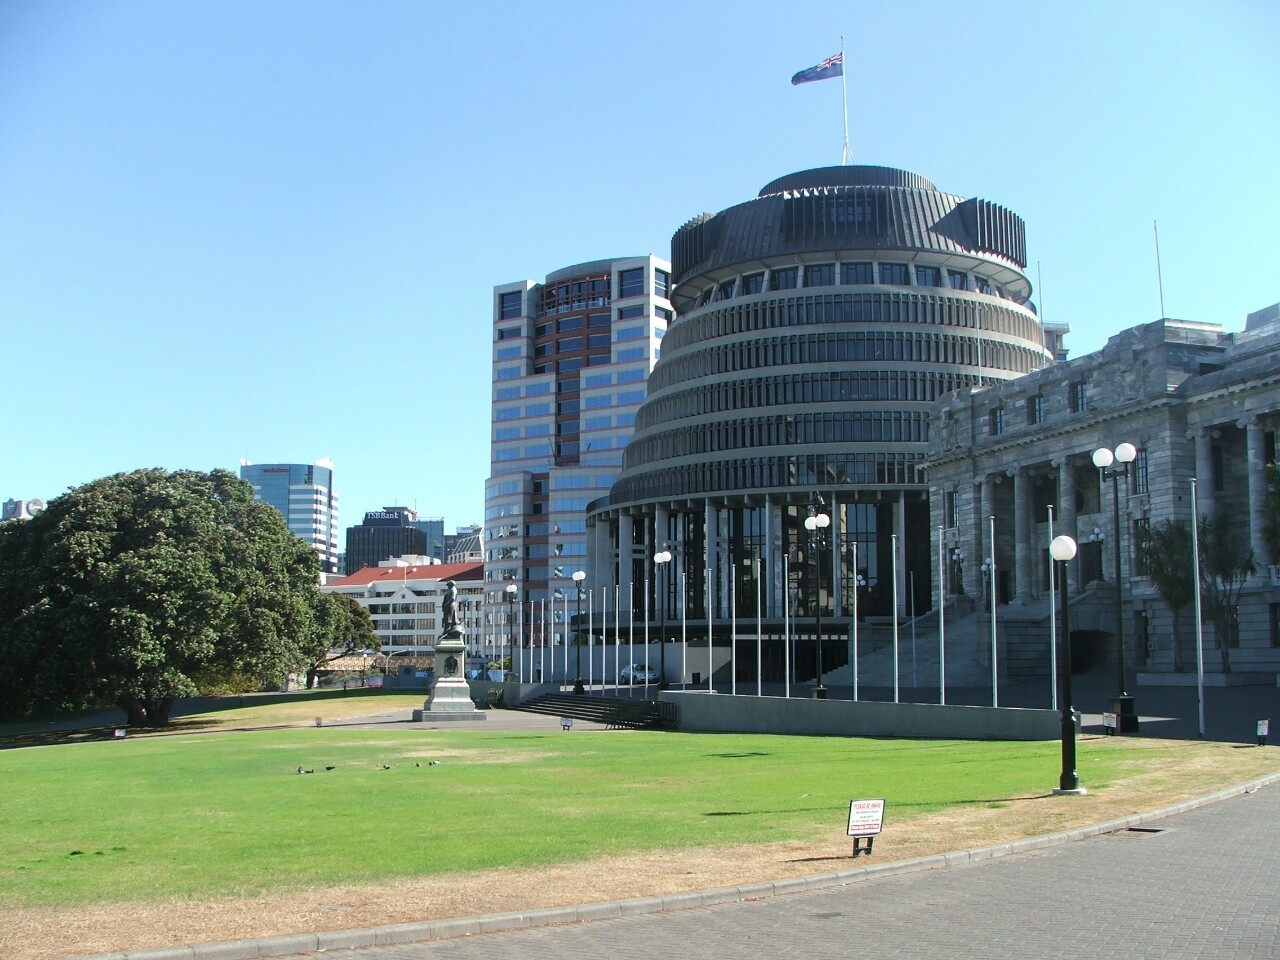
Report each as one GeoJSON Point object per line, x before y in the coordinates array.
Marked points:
{"type": "Point", "coordinates": [271, 230]}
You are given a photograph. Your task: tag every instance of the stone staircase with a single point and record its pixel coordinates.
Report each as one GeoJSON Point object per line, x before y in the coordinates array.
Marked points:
{"type": "Point", "coordinates": [611, 711]}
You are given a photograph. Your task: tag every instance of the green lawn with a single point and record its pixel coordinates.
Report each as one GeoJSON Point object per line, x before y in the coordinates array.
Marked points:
{"type": "Point", "coordinates": [228, 814]}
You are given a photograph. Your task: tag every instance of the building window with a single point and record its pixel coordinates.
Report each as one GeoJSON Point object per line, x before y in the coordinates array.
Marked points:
{"type": "Point", "coordinates": [928, 277]}
{"type": "Point", "coordinates": [1035, 409]}
{"type": "Point", "coordinates": [1078, 399]}
{"type": "Point", "coordinates": [783, 279]}
{"type": "Point", "coordinates": [996, 420]}
{"type": "Point", "coordinates": [1141, 527]}
{"type": "Point", "coordinates": [631, 282]}
{"type": "Point", "coordinates": [820, 275]}
{"type": "Point", "coordinates": [630, 313]}
{"type": "Point", "coordinates": [856, 273]}
{"type": "Point", "coordinates": [661, 282]}
{"type": "Point", "coordinates": [725, 290]}
{"type": "Point", "coordinates": [509, 305]}
{"type": "Point", "coordinates": [598, 320]}
{"type": "Point", "coordinates": [983, 285]}
{"type": "Point", "coordinates": [894, 274]}
{"type": "Point", "coordinates": [957, 280]}
{"type": "Point", "coordinates": [753, 283]}
{"type": "Point", "coordinates": [949, 508]}
{"type": "Point", "coordinates": [1141, 473]}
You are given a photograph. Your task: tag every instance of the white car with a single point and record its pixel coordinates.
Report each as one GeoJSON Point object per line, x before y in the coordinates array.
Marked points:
{"type": "Point", "coordinates": [634, 673]}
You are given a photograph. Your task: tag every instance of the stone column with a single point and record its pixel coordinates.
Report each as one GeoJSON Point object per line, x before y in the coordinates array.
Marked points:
{"type": "Point", "coordinates": [1021, 535]}
{"type": "Point", "coordinates": [1204, 474]}
{"type": "Point", "coordinates": [1066, 518]}
{"type": "Point", "coordinates": [1257, 491]}
{"type": "Point", "coordinates": [625, 533]}
{"type": "Point", "coordinates": [772, 558]}
{"type": "Point", "coordinates": [837, 555]}
{"type": "Point", "coordinates": [601, 555]}
{"type": "Point", "coordinates": [711, 535]}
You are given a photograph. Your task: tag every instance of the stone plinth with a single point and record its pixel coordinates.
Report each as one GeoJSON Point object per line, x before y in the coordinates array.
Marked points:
{"type": "Point", "coordinates": [451, 698]}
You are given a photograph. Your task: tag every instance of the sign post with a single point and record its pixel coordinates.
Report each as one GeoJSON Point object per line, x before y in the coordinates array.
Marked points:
{"type": "Point", "coordinates": [866, 819]}
{"type": "Point", "coordinates": [1264, 727]}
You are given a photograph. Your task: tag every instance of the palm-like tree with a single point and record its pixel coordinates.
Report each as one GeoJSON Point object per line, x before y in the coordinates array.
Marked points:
{"type": "Point", "coordinates": [1224, 567]}
{"type": "Point", "coordinates": [1271, 513]}
{"type": "Point", "coordinates": [1165, 553]}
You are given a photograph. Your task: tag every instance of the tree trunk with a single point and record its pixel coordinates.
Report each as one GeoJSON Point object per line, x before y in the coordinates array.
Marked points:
{"type": "Point", "coordinates": [1222, 627]}
{"type": "Point", "coordinates": [135, 713]}
{"type": "Point", "coordinates": [159, 709]}
{"type": "Point", "coordinates": [1178, 665]}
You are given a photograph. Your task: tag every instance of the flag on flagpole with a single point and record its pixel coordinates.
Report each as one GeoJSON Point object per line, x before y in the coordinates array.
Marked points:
{"type": "Point", "coordinates": [830, 67]}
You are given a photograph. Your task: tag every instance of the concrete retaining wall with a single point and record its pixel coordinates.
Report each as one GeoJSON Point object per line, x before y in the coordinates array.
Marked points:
{"type": "Point", "coordinates": [716, 713]}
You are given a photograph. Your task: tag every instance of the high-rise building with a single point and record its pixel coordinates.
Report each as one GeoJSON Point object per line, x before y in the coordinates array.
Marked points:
{"type": "Point", "coordinates": [433, 530]}
{"type": "Point", "coordinates": [570, 358]}
{"type": "Point", "coordinates": [304, 495]}
{"type": "Point", "coordinates": [815, 325]}
{"type": "Point", "coordinates": [389, 532]}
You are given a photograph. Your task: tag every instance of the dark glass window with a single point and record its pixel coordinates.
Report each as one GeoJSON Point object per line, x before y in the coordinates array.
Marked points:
{"type": "Point", "coordinates": [569, 365]}
{"type": "Point", "coordinates": [509, 305]}
{"type": "Point", "coordinates": [570, 323]}
{"type": "Point", "coordinates": [598, 320]}
{"type": "Point", "coordinates": [893, 274]}
{"type": "Point", "coordinates": [1141, 473]}
{"type": "Point", "coordinates": [928, 277]}
{"type": "Point", "coordinates": [630, 313]}
{"type": "Point", "coordinates": [958, 280]}
{"type": "Point", "coordinates": [543, 330]}
{"type": "Point", "coordinates": [661, 282]}
{"type": "Point", "coordinates": [860, 273]}
{"type": "Point", "coordinates": [570, 344]}
{"type": "Point", "coordinates": [509, 334]}
{"type": "Point", "coordinates": [1035, 409]}
{"type": "Point", "coordinates": [1079, 398]}
{"type": "Point", "coordinates": [725, 290]}
{"type": "Point", "coordinates": [820, 275]}
{"type": "Point", "coordinates": [949, 504]}
{"type": "Point", "coordinates": [996, 418]}
{"type": "Point", "coordinates": [567, 406]}
{"type": "Point", "coordinates": [598, 340]}
{"type": "Point", "coordinates": [983, 285]}
{"type": "Point", "coordinates": [753, 283]}
{"type": "Point", "coordinates": [783, 279]}
{"type": "Point", "coordinates": [631, 282]}
{"type": "Point", "coordinates": [665, 314]}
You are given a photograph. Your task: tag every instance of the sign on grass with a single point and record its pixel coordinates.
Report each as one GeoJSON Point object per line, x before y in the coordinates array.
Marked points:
{"type": "Point", "coordinates": [866, 818]}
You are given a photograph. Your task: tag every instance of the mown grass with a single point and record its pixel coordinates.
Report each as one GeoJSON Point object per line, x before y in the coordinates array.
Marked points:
{"type": "Point", "coordinates": [229, 815]}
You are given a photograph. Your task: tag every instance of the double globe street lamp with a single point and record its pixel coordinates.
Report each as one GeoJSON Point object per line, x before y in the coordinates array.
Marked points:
{"type": "Point", "coordinates": [816, 523]}
{"type": "Point", "coordinates": [578, 577]}
{"type": "Point", "coordinates": [1063, 550]}
{"type": "Point", "coordinates": [1103, 459]}
{"type": "Point", "coordinates": [512, 590]}
{"type": "Point", "coordinates": [660, 561]}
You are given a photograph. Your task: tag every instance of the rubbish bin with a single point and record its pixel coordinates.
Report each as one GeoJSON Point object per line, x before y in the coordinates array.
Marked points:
{"type": "Point", "coordinates": [697, 678]}
{"type": "Point", "coordinates": [1126, 715]}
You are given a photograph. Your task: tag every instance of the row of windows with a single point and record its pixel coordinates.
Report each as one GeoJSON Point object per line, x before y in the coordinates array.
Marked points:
{"type": "Point", "coordinates": [850, 274]}
{"type": "Point", "coordinates": [834, 387]}
{"type": "Point", "coordinates": [814, 471]}
{"type": "Point", "coordinates": [737, 319]}
{"type": "Point", "coordinates": [878, 426]}
{"type": "Point", "coordinates": [631, 283]}
{"type": "Point", "coordinates": [843, 348]}
{"type": "Point", "coordinates": [578, 294]}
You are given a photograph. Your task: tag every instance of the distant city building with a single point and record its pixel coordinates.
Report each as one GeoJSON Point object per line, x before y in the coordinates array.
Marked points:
{"type": "Point", "coordinates": [21, 509]}
{"type": "Point", "coordinates": [1196, 402]}
{"type": "Point", "coordinates": [433, 530]}
{"type": "Point", "coordinates": [570, 358]}
{"type": "Point", "coordinates": [304, 495]}
{"type": "Point", "coordinates": [465, 546]}
{"type": "Point", "coordinates": [389, 532]}
{"type": "Point", "coordinates": [403, 599]}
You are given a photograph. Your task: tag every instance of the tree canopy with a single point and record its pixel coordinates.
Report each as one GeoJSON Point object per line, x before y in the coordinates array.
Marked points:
{"type": "Point", "coordinates": [131, 588]}
{"type": "Point", "coordinates": [341, 627]}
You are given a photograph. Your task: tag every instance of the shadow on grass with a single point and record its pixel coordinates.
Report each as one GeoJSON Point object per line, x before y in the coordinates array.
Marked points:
{"type": "Point", "coordinates": [899, 806]}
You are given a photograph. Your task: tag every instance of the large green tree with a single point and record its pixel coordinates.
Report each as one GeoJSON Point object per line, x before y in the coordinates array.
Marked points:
{"type": "Point", "coordinates": [128, 589]}
{"type": "Point", "coordinates": [1225, 564]}
{"type": "Point", "coordinates": [341, 627]}
{"type": "Point", "coordinates": [1165, 553]}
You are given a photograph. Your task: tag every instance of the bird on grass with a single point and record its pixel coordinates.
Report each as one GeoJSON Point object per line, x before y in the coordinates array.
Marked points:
{"type": "Point", "coordinates": [331, 768]}
{"type": "Point", "coordinates": [433, 763]}
{"type": "Point", "coordinates": [301, 769]}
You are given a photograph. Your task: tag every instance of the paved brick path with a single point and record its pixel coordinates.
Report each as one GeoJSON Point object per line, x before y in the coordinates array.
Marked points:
{"type": "Point", "coordinates": [1206, 886]}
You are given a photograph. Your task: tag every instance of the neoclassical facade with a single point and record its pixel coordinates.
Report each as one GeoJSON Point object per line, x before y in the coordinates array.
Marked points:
{"type": "Point", "coordinates": [1195, 401]}
{"type": "Point", "coordinates": [816, 325]}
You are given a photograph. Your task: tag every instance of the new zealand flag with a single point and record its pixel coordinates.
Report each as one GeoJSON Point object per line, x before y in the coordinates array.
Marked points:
{"type": "Point", "coordinates": [830, 67]}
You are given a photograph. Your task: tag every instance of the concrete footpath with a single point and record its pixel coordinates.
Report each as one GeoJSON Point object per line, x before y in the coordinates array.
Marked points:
{"type": "Point", "coordinates": [1201, 879]}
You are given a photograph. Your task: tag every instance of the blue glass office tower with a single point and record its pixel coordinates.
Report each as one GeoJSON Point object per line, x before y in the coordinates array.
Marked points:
{"type": "Point", "coordinates": [304, 495]}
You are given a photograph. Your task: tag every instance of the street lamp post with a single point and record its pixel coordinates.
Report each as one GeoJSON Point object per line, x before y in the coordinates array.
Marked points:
{"type": "Point", "coordinates": [1063, 549]}
{"type": "Point", "coordinates": [957, 571]}
{"type": "Point", "coordinates": [1125, 454]}
{"type": "Point", "coordinates": [578, 577]}
{"type": "Point", "coordinates": [816, 523]}
{"type": "Point", "coordinates": [660, 561]}
{"type": "Point", "coordinates": [512, 590]}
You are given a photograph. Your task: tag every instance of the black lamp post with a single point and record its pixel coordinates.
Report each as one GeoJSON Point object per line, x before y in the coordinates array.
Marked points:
{"type": "Point", "coordinates": [578, 577]}
{"type": "Point", "coordinates": [1125, 454]}
{"type": "Point", "coordinates": [660, 561]}
{"type": "Point", "coordinates": [512, 590]}
{"type": "Point", "coordinates": [1063, 549]}
{"type": "Point", "coordinates": [816, 523]}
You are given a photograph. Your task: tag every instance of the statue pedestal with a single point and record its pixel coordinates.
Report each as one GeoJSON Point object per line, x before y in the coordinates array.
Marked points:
{"type": "Point", "coordinates": [451, 698]}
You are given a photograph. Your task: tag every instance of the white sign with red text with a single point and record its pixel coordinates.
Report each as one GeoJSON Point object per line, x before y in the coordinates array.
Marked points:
{"type": "Point", "coordinates": [866, 817]}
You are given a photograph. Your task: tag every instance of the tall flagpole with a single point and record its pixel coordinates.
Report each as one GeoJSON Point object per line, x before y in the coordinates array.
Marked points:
{"type": "Point", "coordinates": [847, 156]}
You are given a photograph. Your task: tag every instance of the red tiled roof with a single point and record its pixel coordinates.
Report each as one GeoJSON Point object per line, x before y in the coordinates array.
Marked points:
{"type": "Point", "coordinates": [462, 572]}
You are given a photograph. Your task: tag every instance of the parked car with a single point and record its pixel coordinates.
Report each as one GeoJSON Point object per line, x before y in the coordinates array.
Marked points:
{"type": "Point", "coordinates": [634, 673]}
